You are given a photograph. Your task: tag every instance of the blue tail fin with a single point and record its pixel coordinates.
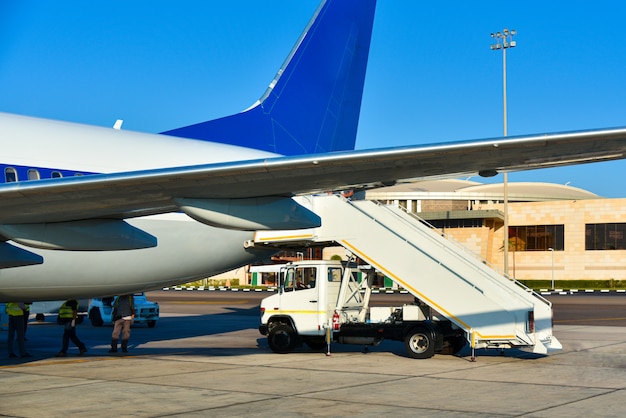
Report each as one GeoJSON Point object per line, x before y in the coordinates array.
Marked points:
{"type": "Point", "coordinates": [313, 103]}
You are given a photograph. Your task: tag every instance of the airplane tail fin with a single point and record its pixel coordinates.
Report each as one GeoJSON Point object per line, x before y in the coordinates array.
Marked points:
{"type": "Point", "coordinates": [314, 101]}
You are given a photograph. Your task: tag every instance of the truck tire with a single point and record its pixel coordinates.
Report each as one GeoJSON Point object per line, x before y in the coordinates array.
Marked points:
{"type": "Point", "coordinates": [419, 343]}
{"type": "Point", "coordinates": [282, 339]}
{"type": "Point", "coordinates": [151, 324]}
{"type": "Point", "coordinates": [95, 317]}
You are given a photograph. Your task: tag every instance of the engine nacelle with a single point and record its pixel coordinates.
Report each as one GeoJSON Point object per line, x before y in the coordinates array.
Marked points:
{"type": "Point", "coordinates": [250, 214]}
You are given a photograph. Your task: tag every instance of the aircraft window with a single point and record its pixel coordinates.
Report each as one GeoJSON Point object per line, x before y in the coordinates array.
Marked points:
{"type": "Point", "coordinates": [33, 174]}
{"type": "Point", "coordinates": [10, 175]}
{"type": "Point", "coordinates": [77, 174]}
{"type": "Point", "coordinates": [56, 175]}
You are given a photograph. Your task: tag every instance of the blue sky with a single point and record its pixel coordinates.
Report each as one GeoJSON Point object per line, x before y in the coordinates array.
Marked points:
{"type": "Point", "coordinates": [431, 75]}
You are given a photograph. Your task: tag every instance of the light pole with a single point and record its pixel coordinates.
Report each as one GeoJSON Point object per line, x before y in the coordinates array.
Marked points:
{"type": "Point", "coordinates": [552, 249]}
{"type": "Point", "coordinates": [504, 40]}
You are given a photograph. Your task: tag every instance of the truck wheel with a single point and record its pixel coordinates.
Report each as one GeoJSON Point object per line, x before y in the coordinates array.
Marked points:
{"type": "Point", "coordinates": [419, 343]}
{"type": "Point", "coordinates": [95, 317]}
{"type": "Point", "coordinates": [40, 317]}
{"type": "Point", "coordinates": [282, 339]}
{"type": "Point", "coordinates": [151, 324]}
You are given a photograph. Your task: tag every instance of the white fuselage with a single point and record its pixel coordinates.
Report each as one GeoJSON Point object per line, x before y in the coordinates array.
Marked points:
{"type": "Point", "coordinates": [186, 250]}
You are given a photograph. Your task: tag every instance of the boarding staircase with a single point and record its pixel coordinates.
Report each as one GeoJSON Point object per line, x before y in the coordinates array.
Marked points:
{"type": "Point", "coordinates": [493, 310]}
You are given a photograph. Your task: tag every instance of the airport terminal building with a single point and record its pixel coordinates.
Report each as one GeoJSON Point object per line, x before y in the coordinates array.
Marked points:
{"type": "Point", "coordinates": [555, 231]}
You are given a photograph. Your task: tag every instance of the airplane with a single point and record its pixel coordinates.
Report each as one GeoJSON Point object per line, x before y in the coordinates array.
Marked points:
{"type": "Point", "coordinates": [90, 211]}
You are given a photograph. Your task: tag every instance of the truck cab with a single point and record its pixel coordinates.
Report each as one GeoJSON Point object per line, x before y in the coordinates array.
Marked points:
{"type": "Point", "coordinates": [306, 295]}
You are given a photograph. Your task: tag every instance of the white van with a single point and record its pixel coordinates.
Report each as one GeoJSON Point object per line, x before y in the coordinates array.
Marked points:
{"type": "Point", "coordinates": [100, 310]}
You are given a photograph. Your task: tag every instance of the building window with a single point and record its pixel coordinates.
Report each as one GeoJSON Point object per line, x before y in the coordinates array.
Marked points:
{"type": "Point", "coordinates": [455, 223]}
{"type": "Point", "coordinates": [536, 238]}
{"type": "Point", "coordinates": [605, 236]}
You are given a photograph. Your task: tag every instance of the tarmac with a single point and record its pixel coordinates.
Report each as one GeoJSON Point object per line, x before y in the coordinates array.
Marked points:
{"type": "Point", "coordinates": [219, 365]}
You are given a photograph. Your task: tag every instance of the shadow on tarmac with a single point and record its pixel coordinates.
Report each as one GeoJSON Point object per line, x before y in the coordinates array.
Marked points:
{"type": "Point", "coordinates": [196, 335]}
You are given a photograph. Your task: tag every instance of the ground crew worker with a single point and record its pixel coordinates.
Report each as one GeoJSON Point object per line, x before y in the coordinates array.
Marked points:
{"type": "Point", "coordinates": [68, 312]}
{"type": "Point", "coordinates": [15, 311]}
{"type": "Point", "coordinates": [123, 315]}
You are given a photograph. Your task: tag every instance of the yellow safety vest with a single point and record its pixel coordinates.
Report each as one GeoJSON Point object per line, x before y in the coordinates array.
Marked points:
{"type": "Point", "coordinates": [66, 311]}
{"type": "Point", "coordinates": [13, 309]}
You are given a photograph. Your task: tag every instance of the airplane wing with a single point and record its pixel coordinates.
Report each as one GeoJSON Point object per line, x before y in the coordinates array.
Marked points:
{"type": "Point", "coordinates": [131, 194]}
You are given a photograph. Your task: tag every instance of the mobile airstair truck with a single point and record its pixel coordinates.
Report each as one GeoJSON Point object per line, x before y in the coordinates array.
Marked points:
{"type": "Point", "coordinates": [470, 302]}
